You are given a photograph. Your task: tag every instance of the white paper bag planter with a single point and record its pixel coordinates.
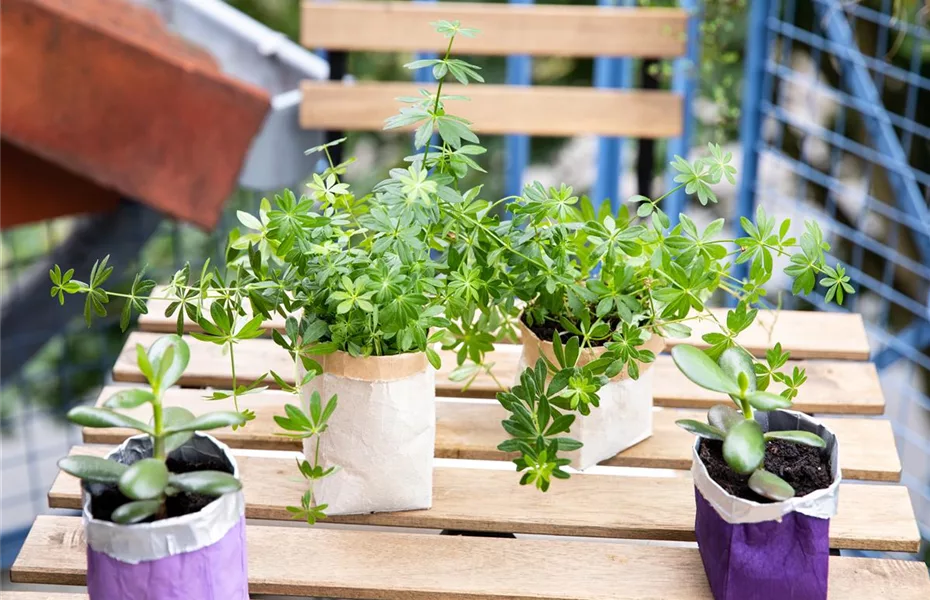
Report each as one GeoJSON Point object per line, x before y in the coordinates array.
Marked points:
{"type": "Point", "coordinates": [773, 551]}
{"type": "Point", "coordinates": [198, 555]}
{"type": "Point", "coordinates": [624, 417]}
{"type": "Point", "coordinates": [381, 435]}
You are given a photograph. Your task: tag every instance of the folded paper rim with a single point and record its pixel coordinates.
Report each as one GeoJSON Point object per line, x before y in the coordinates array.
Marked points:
{"type": "Point", "coordinates": [533, 346]}
{"type": "Point", "coordinates": [143, 542]}
{"type": "Point", "coordinates": [371, 368]}
{"type": "Point", "coordinates": [821, 504]}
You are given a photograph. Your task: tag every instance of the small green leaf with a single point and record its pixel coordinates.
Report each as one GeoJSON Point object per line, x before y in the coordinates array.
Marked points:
{"type": "Point", "coordinates": [767, 401]}
{"type": "Point", "coordinates": [92, 468]}
{"type": "Point", "coordinates": [770, 485]}
{"type": "Point", "coordinates": [88, 416]}
{"type": "Point", "coordinates": [209, 421]}
{"type": "Point", "coordinates": [144, 480]}
{"type": "Point", "coordinates": [735, 362]}
{"type": "Point", "coordinates": [178, 359]}
{"type": "Point", "coordinates": [724, 417]}
{"type": "Point", "coordinates": [701, 429]}
{"type": "Point", "coordinates": [744, 447]}
{"type": "Point", "coordinates": [702, 370]}
{"type": "Point", "coordinates": [129, 399]}
{"type": "Point", "coordinates": [176, 416]}
{"type": "Point", "coordinates": [133, 512]}
{"type": "Point", "coordinates": [208, 483]}
{"type": "Point", "coordinates": [798, 437]}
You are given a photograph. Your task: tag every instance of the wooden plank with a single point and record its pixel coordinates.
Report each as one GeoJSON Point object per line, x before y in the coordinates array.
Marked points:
{"type": "Point", "coordinates": [805, 334]}
{"type": "Point", "coordinates": [403, 566]}
{"type": "Point", "coordinates": [870, 517]}
{"type": "Point", "coordinates": [472, 430]}
{"type": "Point", "coordinates": [536, 30]}
{"type": "Point", "coordinates": [498, 109]}
{"type": "Point", "coordinates": [833, 387]}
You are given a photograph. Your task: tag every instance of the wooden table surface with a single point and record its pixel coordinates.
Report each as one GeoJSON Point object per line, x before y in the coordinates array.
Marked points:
{"type": "Point", "coordinates": [619, 533]}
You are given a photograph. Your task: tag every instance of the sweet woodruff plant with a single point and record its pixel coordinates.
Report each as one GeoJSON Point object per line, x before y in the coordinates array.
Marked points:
{"type": "Point", "coordinates": [424, 258]}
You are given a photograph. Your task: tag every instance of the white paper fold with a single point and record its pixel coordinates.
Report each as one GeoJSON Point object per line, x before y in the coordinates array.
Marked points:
{"type": "Point", "coordinates": [151, 541]}
{"type": "Point", "coordinates": [381, 438]}
{"type": "Point", "coordinates": [820, 504]}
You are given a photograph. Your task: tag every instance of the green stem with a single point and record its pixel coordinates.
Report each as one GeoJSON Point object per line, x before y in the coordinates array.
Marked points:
{"type": "Point", "coordinates": [232, 367]}
{"type": "Point", "coordinates": [158, 449]}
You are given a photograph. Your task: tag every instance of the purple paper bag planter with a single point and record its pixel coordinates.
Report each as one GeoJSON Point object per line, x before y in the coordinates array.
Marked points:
{"type": "Point", "coordinates": [774, 551]}
{"type": "Point", "coordinates": [198, 556]}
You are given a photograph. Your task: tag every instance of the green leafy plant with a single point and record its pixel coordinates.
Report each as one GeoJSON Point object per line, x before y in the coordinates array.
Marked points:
{"type": "Point", "coordinates": [744, 441]}
{"type": "Point", "coordinates": [148, 482]}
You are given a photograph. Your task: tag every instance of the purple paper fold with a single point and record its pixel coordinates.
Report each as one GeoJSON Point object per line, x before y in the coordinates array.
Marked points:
{"type": "Point", "coordinates": [215, 572]}
{"type": "Point", "coordinates": [772, 560]}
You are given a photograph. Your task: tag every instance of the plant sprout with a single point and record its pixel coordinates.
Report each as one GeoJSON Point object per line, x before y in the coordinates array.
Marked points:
{"type": "Point", "coordinates": [743, 440]}
{"type": "Point", "coordinates": [148, 482]}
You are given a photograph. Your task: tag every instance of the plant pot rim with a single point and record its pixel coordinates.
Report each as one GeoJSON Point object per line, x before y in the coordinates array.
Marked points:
{"type": "Point", "coordinates": [533, 346]}
{"type": "Point", "coordinates": [372, 368]}
{"type": "Point", "coordinates": [821, 504]}
{"type": "Point", "coordinates": [141, 542]}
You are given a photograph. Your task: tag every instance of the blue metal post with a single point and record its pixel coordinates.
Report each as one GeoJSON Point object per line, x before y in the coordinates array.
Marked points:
{"type": "Point", "coordinates": [684, 82]}
{"type": "Point", "coordinates": [519, 72]}
{"type": "Point", "coordinates": [611, 73]}
{"type": "Point", "coordinates": [757, 48]}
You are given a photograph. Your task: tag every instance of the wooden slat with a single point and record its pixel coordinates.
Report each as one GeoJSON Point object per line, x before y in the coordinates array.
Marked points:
{"type": "Point", "coordinates": [399, 566]}
{"type": "Point", "coordinates": [870, 517]}
{"type": "Point", "coordinates": [472, 431]}
{"type": "Point", "coordinates": [833, 387]}
{"type": "Point", "coordinates": [500, 109]}
{"type": "Point", "coordinates": [535, 30]}
{"type": "Point", "coordinates": [805, 334]}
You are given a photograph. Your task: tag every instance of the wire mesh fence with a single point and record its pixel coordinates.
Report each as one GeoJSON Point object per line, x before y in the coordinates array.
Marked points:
{"type": "Point", "coordinates": [832, 99]}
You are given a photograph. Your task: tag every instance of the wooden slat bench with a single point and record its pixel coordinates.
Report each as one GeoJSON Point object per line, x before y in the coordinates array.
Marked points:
{"type": "Point", "coordinates": [590, 505]}
{"type": "Point", "coordinates": [833, 387]}
{"type": "Point", "coordinates": [408, 566]}
{"type": "Point", "coordinates": [471, 429]}
{"type": "Point", "coordinates": [806, 334]}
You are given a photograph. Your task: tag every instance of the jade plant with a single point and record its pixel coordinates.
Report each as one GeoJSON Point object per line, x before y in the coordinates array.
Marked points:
{"type": "Point", "coordinates": [744, 441]}
{"type": "Point", "coordinates": [147, 483]}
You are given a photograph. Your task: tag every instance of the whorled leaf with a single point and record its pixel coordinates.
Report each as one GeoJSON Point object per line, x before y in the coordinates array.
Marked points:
{"type": "Point", "coordinates": [724, 417]}
{"type": "Point", "coordinates": [702, 370]}
{"type": "Point", "coordinates": [133, 512]}
{"type": "Point", "coordinates": [744, 447]}
{"type": "Point", "coordinates": [798, 437]}
{"type": "Point", "coordinates": [144, 480]}
{"type": "Point", "coordinates": [92, 468]}
{"type": "Point", "coordinates": [208, 483]}
{"type": "Point", "coordinates": [770, 485]}
{"type": "Point", "coordinates": [701, 429]}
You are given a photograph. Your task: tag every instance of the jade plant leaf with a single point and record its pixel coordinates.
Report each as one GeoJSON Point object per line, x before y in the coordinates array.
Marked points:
{"type": "Point", "coordinates": [767, 401]}
{"type": "Point", "coordinates": [88, 416]}
{"type": "Point", "coordinates": [144, 480]}
{"type": "Point", "coordinates": [209, 421]}
{"type": "Point", "coordinates": [129, 399]}
{"type": "Point", "coordinates": [169, 366]}
{"type": "Point", "coordinates": [701, 429]}
{"type": "Point", "coordinates": [724, 417]}
{"type": "Point", "coordinates": [744, 447]}
{"type": "Point", "coordinates": [734, 361]}
{"type": "Point", "coordinates": [798, 437]}
{"type": "Point", "coordinates": [770, 485]}
{"type": "Point", "coordinates": [208, 483]}
{"type": "Point", "coordinates": [702, 370]}
{"type": "Point", "coordinates": [92, 468]}
{"type": "Point", "coordinates": [176, 416]}
{"type": "Point", "coordinates": [133, 512]}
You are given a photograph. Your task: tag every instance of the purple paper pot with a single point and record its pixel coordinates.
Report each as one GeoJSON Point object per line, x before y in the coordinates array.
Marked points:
{"type": "Point", "coordinates": [198, 556]}
{"type": "Point", "coordinates": [776, 551]}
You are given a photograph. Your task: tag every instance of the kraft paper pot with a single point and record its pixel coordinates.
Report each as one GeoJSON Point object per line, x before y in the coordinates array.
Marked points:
{"type": "Point", "coordinates": [775, 551]}
{"type": "Point", "coordinates": [381, 435]}
{"type": "Point", "coordinates": [624, 417]}
{"type": "Point", "coordinates": [201, 555]}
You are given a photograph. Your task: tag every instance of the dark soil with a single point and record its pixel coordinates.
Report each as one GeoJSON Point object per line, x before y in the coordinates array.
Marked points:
{"type": "Point", "coordinates": [806, 468]}
{"type": "Point", "coordinates": [107, 498]}
{"type": "Point", "coordinates": [545, 330]}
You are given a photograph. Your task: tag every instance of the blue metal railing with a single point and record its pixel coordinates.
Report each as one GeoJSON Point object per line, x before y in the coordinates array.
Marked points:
{"type": "Point", "coordinates": [840, 124]}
